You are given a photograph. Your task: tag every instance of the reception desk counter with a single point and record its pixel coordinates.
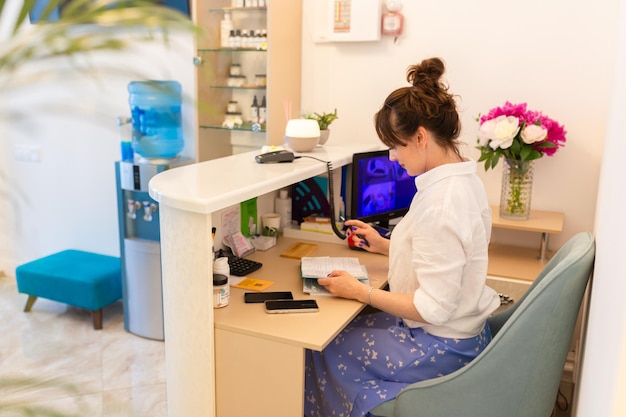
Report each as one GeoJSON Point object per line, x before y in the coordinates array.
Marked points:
{"type": "Point", "coordinates": [188, 197]}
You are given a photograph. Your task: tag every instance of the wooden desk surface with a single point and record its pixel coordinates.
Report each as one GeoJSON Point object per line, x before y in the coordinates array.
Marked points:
{"type": "Point", "coordinates": [308, 330]}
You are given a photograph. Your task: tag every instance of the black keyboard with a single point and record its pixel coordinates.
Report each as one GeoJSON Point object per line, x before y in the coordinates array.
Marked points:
{"type": "Point", "coordinates": [241, 266]}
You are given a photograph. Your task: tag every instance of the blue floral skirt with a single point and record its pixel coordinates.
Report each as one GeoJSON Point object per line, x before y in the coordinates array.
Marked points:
{"type": "Point", "coordinates": [375, 357]}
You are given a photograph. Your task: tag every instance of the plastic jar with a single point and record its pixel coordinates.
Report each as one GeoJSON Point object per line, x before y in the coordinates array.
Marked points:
{"type": "Point", "coordinates": [156, 117]}
{"type": "Point", "coordinates": [261, 80]}
{"type": "Point", "coordinates": [221, 291]}
{"type": "Point", "coordinates": [235, 70]}
{"type": "Point", "coordinates": [233, 107]}
{"type": "Point", "coordinates": [236, 80]}
{"type": "Point", "coordinates": [232, 120]}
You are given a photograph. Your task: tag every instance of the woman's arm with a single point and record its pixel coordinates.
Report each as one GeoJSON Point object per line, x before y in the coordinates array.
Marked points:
{"type": "Point", "coordinates": [342, 284]}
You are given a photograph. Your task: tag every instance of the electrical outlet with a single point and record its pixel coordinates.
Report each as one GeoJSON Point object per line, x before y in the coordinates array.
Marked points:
{"type": "Point", "coordinates": [27, 153]}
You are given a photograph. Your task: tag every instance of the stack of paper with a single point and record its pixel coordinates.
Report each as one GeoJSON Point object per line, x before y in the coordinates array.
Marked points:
{"type": "Point", "coordinates": [321, 266]}
{"type": "Point", "coordinates": [313, 268]}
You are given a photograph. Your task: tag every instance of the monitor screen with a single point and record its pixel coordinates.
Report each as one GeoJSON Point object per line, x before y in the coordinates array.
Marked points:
{"type": "Point", "coordinates": [381, 188]}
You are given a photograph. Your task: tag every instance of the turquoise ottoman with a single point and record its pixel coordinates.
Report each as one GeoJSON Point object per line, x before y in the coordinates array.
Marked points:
{"type": "Point", "coordinates": [80, 279]}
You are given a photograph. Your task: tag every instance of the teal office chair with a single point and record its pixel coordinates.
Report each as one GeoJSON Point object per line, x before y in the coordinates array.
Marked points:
{"type": "Point", "coordinates": [519, 372]}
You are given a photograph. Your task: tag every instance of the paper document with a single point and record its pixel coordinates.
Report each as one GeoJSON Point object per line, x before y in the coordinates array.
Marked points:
{"type": "Point", "coordinates": [321, 266]}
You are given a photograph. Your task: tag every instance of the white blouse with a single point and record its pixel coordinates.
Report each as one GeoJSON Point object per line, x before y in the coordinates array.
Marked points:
{"type": "Point", "coordinates": [438, 252]}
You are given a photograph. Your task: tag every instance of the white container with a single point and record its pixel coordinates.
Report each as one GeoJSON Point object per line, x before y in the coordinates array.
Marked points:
{"type": "Point", "coordinates": [226, 25]}
{"type": "Point", "coordinates": [235, 70]}
{"type": "Point", "coordinates": [220, 266]}
{"type": "Point", "coordinates": [232, 107]}
{"type": "Point", "coordinates": [221, 287]}
{"type": "Point", "coordinates": [282, 206]}
{"type": "Point", "coordinates": [236, 80]}
{"type": "Point", "coordinates": [221, 291]}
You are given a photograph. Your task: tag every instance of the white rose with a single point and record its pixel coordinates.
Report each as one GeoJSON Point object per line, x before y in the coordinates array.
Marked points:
{"type": "Point", "coordinates": [534, 133]}
{"type": "Point", "coordinates": [507, 128]}
{"type": "Point", "coordinates": [498, 132]}
{"type": "Point", "coordinates": [485, 132]}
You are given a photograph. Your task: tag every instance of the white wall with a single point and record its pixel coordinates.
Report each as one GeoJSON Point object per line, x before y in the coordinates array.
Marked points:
{"type": "Point", "coordinates": [604, 363]}
{"type": "Point", "coordinates": [68, 199]}
{"type": "Point", "coordinates": [555, 55]}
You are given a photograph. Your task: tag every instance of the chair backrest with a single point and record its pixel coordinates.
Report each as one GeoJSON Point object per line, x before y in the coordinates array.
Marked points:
{"type": "Point", "coordinates": [519, 372]}
{"type": "Point", "coordinates": [496, 322]}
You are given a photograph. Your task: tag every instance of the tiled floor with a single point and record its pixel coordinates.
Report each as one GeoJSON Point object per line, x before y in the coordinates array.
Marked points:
{"type": "Point", "coordinates": [74, 368]}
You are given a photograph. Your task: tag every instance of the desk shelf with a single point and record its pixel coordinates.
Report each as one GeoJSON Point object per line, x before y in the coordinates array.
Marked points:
{"type": "Point", "coordinates": [518, 262]}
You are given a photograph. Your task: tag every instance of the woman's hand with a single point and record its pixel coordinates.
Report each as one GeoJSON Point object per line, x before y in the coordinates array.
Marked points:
{"type": "Point", "coordinates": [342, 284]}
{"type": "Point", "coordinates": [366, 237]}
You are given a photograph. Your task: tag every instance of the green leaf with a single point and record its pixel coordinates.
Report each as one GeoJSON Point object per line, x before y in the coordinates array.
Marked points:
{"type": "Point", "coordinates": [494, 160]}
{"type": "Point", "coordinates": [535, 154]}
{"type": "Point", "coordinates": [515, 147]}
{"type": "Point", "coordinates": [545, 144]}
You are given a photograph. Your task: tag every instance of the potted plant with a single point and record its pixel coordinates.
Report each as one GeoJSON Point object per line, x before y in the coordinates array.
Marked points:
{"type": "Point", "coordinates": [323, 121]}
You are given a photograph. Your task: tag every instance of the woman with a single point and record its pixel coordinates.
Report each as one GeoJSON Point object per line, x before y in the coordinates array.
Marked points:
{"type": "Point", "coordinates": [433, 318]}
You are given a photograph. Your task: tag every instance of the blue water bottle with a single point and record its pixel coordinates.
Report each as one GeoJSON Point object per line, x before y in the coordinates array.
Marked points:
{"type": "Point", "coordinates": [156, 114]}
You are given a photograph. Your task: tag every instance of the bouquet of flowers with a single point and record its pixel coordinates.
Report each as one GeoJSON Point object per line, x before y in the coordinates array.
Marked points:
{"type": "Point", "coordinates": [515, 133]}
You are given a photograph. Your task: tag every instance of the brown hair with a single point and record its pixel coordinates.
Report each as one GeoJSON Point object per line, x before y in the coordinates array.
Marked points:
{"type": "Point", "coordinates": [426, 103]}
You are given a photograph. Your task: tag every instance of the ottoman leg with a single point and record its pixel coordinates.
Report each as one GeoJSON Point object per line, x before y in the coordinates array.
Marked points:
{"type": "Point", "coordinates": [29, 303]}
{"type": "Point", "coordinates": [96, 316]}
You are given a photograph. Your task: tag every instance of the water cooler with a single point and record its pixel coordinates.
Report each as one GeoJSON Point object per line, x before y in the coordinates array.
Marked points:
{"type": "Point", "coordinates": [151, 143]}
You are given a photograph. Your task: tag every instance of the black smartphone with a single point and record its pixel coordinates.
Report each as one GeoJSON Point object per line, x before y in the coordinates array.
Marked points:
{"type": "Point", "coordinates": [261, 297]}
{"type": "Point", "coordinates": [291, 306]}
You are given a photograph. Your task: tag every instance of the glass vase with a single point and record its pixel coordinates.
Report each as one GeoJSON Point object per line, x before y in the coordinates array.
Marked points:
{"type": "Point", "coordinates": [517, 186]}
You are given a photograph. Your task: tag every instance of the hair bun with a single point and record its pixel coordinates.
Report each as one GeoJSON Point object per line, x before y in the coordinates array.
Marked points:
{"type": "Point", "coordinates": [428, 72]}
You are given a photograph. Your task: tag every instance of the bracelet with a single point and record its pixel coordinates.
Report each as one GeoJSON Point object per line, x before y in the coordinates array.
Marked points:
{"type": "Point", "coordinates": [369, 295]}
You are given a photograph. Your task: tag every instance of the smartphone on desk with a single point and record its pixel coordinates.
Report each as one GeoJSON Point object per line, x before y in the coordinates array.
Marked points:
{"type": "Point", "coordinates": [261, 297]}
{"type": "Point", "coordinates": [291, 306]}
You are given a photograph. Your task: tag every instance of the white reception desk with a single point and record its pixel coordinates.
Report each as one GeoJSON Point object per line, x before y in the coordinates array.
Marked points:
{"type": "Point", "coordinates": [188, 196]}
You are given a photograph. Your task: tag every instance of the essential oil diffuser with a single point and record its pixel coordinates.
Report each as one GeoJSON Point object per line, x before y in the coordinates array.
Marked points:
{"type": "Point", "coordinates": [301, 135]}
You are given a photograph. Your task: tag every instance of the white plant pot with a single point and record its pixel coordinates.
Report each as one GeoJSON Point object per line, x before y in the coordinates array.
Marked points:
{"type": "Point", "coordinates": [324, 136]}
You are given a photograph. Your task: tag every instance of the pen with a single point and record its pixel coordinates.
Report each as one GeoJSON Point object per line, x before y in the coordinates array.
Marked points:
{"type": "Point", "coordinates": [213, 230]}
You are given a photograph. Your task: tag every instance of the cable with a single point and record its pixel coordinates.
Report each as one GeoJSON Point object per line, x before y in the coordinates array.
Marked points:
{"type": "Point", "coordinates": [331, 196]}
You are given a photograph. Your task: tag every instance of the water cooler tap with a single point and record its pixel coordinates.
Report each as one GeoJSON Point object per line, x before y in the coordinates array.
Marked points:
{"type": "Point", "coordinates": [148, 209]}
{"type": "Point", "coordinates": [133, 206]}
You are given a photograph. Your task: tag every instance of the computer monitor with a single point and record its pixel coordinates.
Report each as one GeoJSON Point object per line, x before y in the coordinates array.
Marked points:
{"type": "Point", "coordinates": [381, 189]}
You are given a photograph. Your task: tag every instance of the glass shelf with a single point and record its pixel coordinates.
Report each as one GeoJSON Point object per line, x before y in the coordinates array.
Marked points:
{"type": "Point", "coordinates": [246, 127]}
{"type": "Point", "coordinates": [238, 9]}
{"type": "Point", "coordinates": [250, 87]}
{"type": "Point", "coordinates": [232, 50]}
